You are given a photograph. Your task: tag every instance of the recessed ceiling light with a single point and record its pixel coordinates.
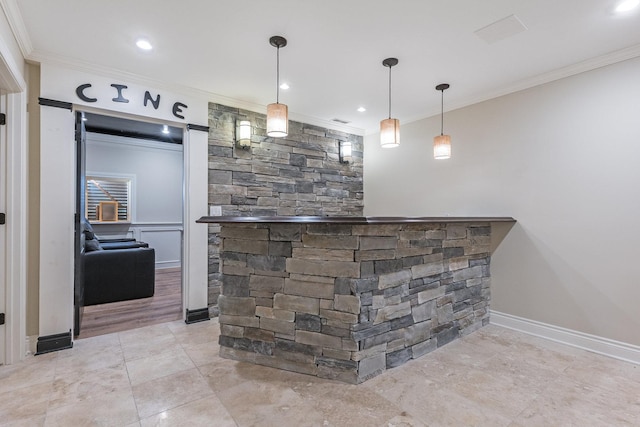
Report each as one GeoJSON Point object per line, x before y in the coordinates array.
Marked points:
{"type": "Point", "coordinates": [284, 86]}
{"type": "Point", "coordinates": [627, 5]}
{"type": "Point", "coordinates": [362, 109]}
{"type": "Point", "coordinates": [144, 44]}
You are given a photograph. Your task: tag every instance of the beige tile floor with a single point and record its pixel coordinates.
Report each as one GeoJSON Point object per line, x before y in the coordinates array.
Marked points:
{"type": "Point", "coordinates": [171, 375]}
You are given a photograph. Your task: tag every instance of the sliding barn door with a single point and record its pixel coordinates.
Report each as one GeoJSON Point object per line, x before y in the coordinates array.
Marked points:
{"type": "Point", "coordinates": [78, 285]}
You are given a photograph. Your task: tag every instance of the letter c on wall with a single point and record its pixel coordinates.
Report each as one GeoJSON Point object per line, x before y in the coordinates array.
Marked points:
{"type": "Point", "coordinates": [80, 92]}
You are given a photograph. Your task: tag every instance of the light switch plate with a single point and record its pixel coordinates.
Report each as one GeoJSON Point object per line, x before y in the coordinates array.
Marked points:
{"type": "Point", "coordinates": [215, 210]}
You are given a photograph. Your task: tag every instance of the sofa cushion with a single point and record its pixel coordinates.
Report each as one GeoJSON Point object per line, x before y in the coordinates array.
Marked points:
{"type": "Point", "coordinates": [92, 245]}
{"type": "Point", "coordinates": [87, 229]}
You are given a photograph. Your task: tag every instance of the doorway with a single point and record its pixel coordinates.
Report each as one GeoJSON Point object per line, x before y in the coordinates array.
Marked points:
{"type": "Point", "coordinates": [3, 235]}
{"type": "Point", "coordinates": [130, 195]}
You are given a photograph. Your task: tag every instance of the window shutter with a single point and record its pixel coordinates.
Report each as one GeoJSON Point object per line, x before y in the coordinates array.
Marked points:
{"type": "Point", "coordinates": [100, 189]}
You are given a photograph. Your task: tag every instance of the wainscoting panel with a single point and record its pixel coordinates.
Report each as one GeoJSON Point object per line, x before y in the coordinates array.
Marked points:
{"type": "Point", "coordinates": [165, 238]}
{"type": "Point", "coordinates": [167, 241]}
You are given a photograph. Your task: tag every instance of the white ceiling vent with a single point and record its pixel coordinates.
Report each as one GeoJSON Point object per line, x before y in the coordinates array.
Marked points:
{"type": "Point", "coordinates": [501, 29]}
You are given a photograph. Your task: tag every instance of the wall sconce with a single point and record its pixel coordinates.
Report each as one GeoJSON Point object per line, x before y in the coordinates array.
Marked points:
{"type": "Point", "coordinates": [243, 134]}
{"type": "Point", "coordinates": [345, 151]}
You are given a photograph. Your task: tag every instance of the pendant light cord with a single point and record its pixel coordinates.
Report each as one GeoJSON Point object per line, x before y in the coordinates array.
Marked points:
{"type": "Point", "coordinates": [389, 91]}
{"type": "Point", "coordinates": [442, 113]}
{"type": "Point", "coordinates": [278, 75]}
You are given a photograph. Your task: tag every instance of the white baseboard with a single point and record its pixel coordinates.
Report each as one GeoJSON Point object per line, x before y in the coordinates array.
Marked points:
{"type": "Point", "coordinates": [607, 347]}
{"type": "Point", "coordinates": [168, 264]}
{"type": "Point", "coordinates": [31, 344]}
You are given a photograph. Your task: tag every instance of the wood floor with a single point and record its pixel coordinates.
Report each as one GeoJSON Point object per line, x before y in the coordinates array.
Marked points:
{"type": "Point", "coordinates": [164, 306]}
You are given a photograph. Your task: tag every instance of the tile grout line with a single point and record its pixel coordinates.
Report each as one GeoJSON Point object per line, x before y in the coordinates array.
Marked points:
{"type": "Point", "coordinates": [124, 360]}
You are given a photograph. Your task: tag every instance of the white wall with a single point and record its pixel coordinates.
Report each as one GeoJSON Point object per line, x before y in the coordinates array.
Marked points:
{"type": "Point", "coordinates": [157, 189]}
{"type": "Point", "coordinates": [561, 158]}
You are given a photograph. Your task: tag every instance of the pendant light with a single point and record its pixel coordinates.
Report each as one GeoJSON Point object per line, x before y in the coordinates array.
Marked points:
{"type": "Point", "coordinates": [390, 128]}
{"type": "Point", "coordinates": [442, 142]}
{"type": "Point", "coordinates": [277, 114]}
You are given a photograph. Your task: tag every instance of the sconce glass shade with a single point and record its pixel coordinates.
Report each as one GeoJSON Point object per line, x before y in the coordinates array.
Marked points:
{"type": "Point", "coordinates": [345, 151]}
{"type": "Point", "coordinates": [390, 133]}
{"type": "Point", "coordinates": [442, 147]}
{"type": "Point", "coordinates": [277, 120]}
{"type": "Point", "coordinates": [243, 134]}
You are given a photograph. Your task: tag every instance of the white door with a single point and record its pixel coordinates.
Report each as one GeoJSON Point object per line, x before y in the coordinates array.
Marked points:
{"type": "Point", "coordinates": [3, 231]}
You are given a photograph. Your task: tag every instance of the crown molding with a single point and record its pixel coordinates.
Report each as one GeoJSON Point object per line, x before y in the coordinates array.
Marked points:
{"type": "Point", "coordinates": [47, 58]}
{"type": "Point", "coordinates": [11, 79]}
{"type": "Point", "coordinates": [14, 17]}
{"type": "Point", "coordinates": [621, 55]}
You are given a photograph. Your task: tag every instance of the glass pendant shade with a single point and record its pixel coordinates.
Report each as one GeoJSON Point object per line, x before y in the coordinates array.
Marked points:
{"type": "Point", "coordinates": [442, 147]}
{"type": "Point", "coordinates": [390, 133]}
{"type": "Point", "coordinates": [277, 120]}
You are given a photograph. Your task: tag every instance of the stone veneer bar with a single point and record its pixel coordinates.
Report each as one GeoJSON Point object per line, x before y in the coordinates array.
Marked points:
{"type": "Point", "coordinates": [346, 298]}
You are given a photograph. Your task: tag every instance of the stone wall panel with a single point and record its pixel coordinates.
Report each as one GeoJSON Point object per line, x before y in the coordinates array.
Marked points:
{"type": "Point", "coordinates": [296, 175]}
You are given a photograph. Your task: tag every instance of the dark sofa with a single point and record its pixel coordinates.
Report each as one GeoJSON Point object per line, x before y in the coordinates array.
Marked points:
{"type": "Point", "coordinates": [122, 244]}
{"type": "Point", "coordinates": [116, 270]}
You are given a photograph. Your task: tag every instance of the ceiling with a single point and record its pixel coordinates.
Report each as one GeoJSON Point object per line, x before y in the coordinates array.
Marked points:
{"type": "Point", "coordinates": [333, 60]}
{"type": "Point", "coordinates": [132, 129]}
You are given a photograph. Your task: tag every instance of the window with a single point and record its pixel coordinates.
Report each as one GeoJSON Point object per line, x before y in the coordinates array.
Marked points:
{"type": "Point", "coordinates": [107, 190]}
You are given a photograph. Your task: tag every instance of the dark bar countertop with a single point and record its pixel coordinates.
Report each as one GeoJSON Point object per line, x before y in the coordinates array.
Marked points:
{"type": "Point", "coordinates": [352, 219]}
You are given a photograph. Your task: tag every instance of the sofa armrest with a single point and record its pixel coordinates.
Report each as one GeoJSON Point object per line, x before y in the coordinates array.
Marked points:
{"type": "Point", "coordinates": [122, 239]}
{"type": "Point", "coordinates": [118, 275]}
{"type": "Point", "coordinates": [110, 245]}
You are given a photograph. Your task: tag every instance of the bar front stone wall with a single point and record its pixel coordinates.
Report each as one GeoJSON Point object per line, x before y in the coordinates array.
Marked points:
{"type": "Point", "coordinates": [347, 302]}
{"type": "Point", "coordinates": [297, 175]}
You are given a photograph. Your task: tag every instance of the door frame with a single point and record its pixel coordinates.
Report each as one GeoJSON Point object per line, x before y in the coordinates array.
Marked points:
{"type": "Point", "coordinates": [4, 283]}
{"type": "Point", "coordinates": [14, 105]}
{"type": "Point", "coordinates": [77, 315]}
{"type": "Point", "coordinates": [58, 84]}
{"type": "Point", "coordinates": [78, 247]}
